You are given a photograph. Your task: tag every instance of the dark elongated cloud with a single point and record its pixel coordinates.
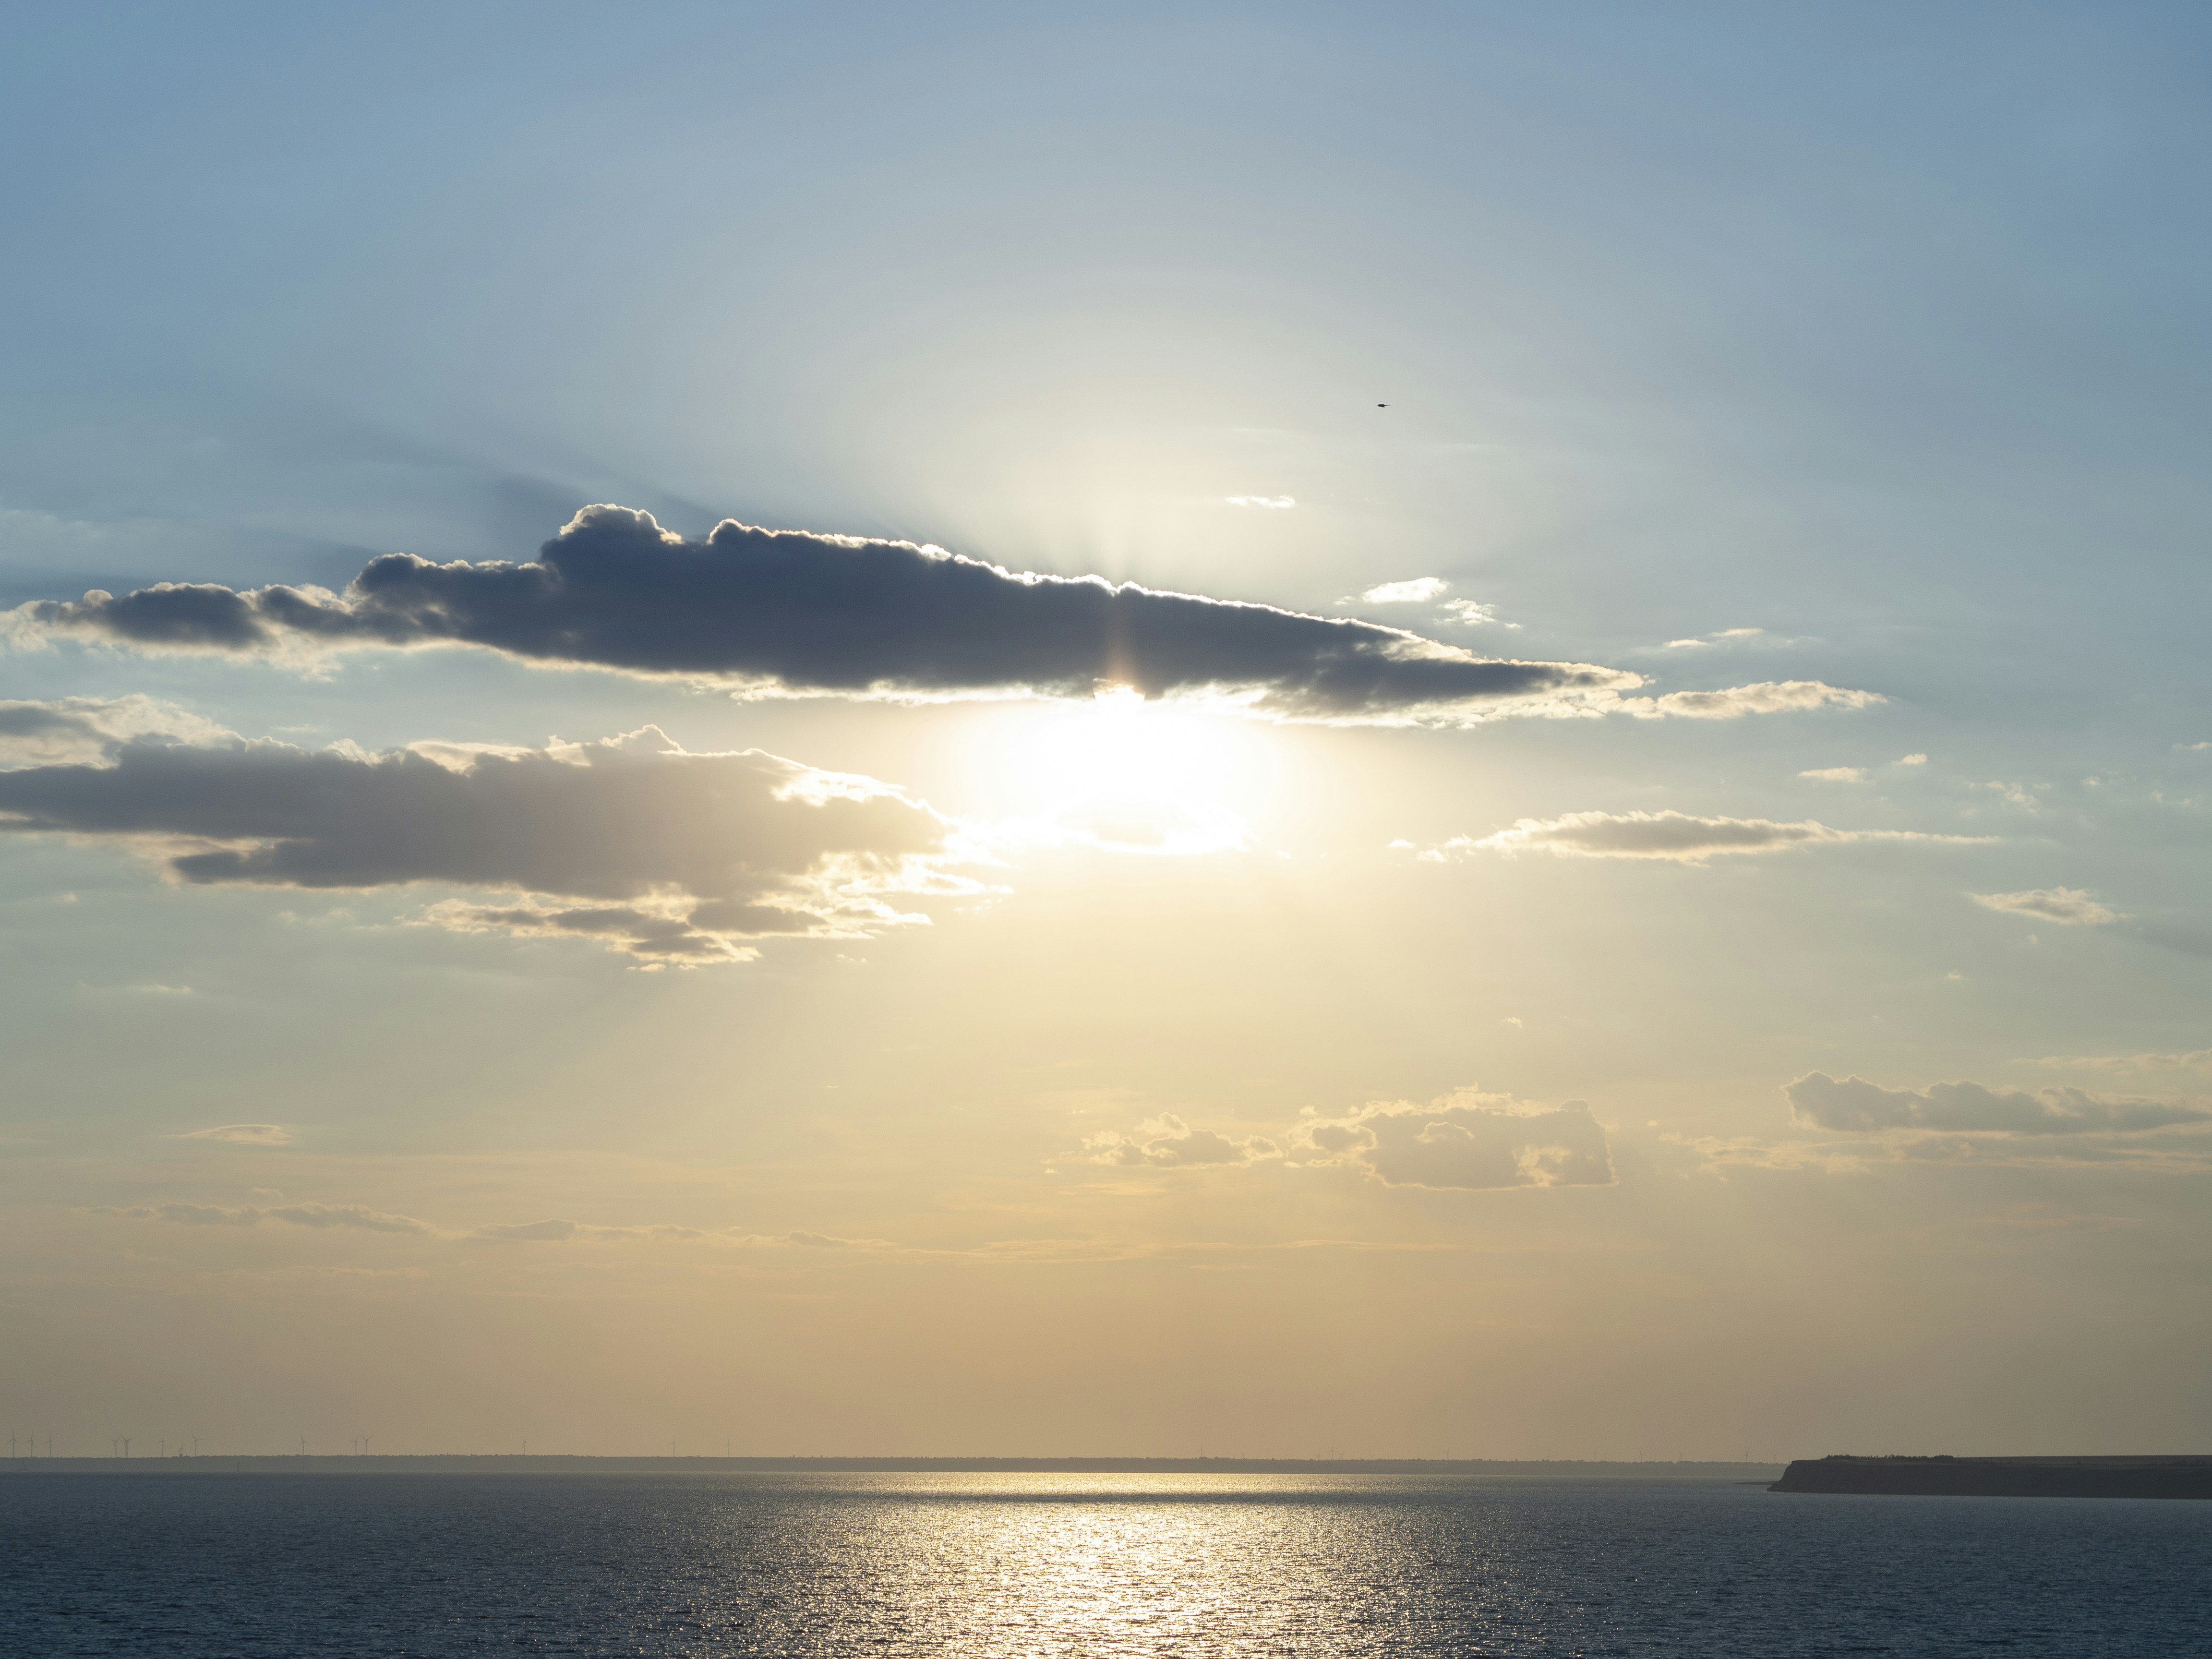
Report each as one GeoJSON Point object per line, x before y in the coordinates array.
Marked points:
{"type": "Point", "coordinates": [792, 612]}
{"type": "Point", "coordinates": [671, 856]}
{"type": "Point", "coordinates": [1853, 1104]}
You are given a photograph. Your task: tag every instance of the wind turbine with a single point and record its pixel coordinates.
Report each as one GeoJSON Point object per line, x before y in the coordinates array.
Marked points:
{"type": "Point", "coordinates": [127, 1439]}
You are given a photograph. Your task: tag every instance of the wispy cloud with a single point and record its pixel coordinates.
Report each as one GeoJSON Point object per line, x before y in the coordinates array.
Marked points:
{"type": "Point", "coordinates": [1704, 641]}
{"type": "Point", "coordinates": [1836, 774]}
{"type": "Point", "coordinates": [1766, 697]}
{"type": "Point", "coordinates": [2070, 907]}
{"type": "Point", "coordinates": [1676, 837]}
{"type": "Point", "coordinates": [1854, 1105]}
{"type": "Point", "coordinates": [355, 1217]}
{"type": "Point", "coordinates": [243, 1134]}
{"type": "Point", "coordinates": [1274, 503]}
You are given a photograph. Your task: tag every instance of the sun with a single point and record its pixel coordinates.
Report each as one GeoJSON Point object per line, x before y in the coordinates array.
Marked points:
{"type": "Point", "coordinates": [1135, 775]}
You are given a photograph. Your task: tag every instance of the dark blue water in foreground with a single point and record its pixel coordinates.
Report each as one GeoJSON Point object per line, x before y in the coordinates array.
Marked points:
{"type": "Point", "coordinates": [1077, 1565]}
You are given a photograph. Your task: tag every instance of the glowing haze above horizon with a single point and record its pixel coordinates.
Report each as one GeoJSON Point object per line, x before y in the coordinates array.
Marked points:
{"type": "Point", "coordinates": [848, 993]}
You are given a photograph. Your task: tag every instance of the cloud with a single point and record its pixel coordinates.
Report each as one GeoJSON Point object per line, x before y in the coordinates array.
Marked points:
{"type": "Point", "coordinates": [88, 731]}
{"type": "Point", "coordinates": [1277, 503]}
{"type": "Point", "coordinates": [671, 857]}
{"type": "Point", "coordinates": [1467, 1141]}
{"type": "Point", "coordinates": [1167, 1142]}
{"type": "Point", "coordinates": [1416, 590]}
{"type": "Point", "coordinates": [1911, 760]}
{"type": "Point", "coordinates": [1838, 774]}
{"type": "Point", "coordinates": [1701, 643]}
{"type": "Point", "coordinates": [1854, 1105]}
{"type": "Point", "coordinates": [1473, 613]}
{"type": "Point", "coordinates": [1735, 702]}
{"type": "Point", "coordinates": [2071, 907]}
{"type": "Point", "coordinates": [1673, 835]}
{"type": "Point", "coordinates": [351, 1216]}
{"type": "Point", "coordinates": [243, 1134]}
{"type": "Point", "coordinates": [793, 613]}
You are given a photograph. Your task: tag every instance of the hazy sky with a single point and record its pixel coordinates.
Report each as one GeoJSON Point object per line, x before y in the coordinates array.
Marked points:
{"type": "Point", "coordinates": [1703, 949]}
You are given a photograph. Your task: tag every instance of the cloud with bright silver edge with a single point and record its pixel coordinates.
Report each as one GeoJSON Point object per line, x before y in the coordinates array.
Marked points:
{"type": "Point", "coordinates": [674, 857]}
{"type": "Point", "coordinates": [77, 731]}
{"type": "Point", "coordinates": [2069, 907]}
{"type": "Point", "coordinates": [1853, 1105]}
{"type": "Point", "coordinates": [1677, 836]}
{"type": "Point", "coordinates": [1467, 1141]}
{"type": "Point", "coordinates": [795, 613]}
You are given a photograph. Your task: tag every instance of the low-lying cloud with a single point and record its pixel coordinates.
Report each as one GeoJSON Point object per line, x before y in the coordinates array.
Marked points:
{"type": "Point", "coordinates": [243, 1134]}
{"type": "Point", "coordinates": [1167, 1142]}
{"type": "Point", "coordinates": [1672, 836]}
{"type": "Point", "coordinates": [1853, 1105]}
{"type": "Point", "coordinates": [1767, 697]}
{"type": "Point", "coordinates": [2069, 907]}
{"type": "Point", "coordinates": [87, 731]}
{"type": "Point", "coordinates": [671, 857]}
{"type": "Point", "coordinates": [795, 613]}
{"type": "Point", "coordinates": [355, 1217]}
{"type": "Point", "coordinates": [1467, 1141]}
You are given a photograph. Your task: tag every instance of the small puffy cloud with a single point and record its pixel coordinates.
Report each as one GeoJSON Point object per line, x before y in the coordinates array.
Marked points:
{"type": "Point", "coordinates": [2070, 907]}
{"type": "Point", "coordinates": [1836, 774]}
{"type": "Point", "coordinates": [1912, 760]}
{"type": "Point", "coordinates": [1467, 1141]}
{"type": "Point", "coordinates": [357, 1217]}
{"type": "Point", "coordinates": [1415, 590]}
{"type": "Point", "coordinates": [792, 613]}
{"type": "Point", "coordinates": [1474, 613]}
{"type": "Point", "coordinates": [1273, 504]}
{"type": "Point", "coordinates": [674, 857]}
{"type": "Point", "coordinates": [1676, 837]}
{"type": "Point", "coordinates": [88, 731]}
{"type": "Point", "coordinates": [243, 1134]}
{"type": "Point", "coordinates": [1166, 1142]}
{"type": "Point", "coordinates": [1766, 697]}
{"type": "Point", "coordinates": [1853, 1105]}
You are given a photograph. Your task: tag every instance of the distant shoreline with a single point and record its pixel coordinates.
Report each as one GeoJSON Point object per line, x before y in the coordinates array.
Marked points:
{"type": "Point", "coordinates": [2176, 1476]}
{"type": "Point", "coordinates": [479, 1464]}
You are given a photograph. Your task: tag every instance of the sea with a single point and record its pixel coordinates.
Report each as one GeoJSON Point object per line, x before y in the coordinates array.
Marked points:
{"type": "Point", "coordinates": [1094, 1565]}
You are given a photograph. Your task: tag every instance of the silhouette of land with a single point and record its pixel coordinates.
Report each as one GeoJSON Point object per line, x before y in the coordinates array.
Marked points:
{"type": "Point", "coordinates": [2003, 1477]}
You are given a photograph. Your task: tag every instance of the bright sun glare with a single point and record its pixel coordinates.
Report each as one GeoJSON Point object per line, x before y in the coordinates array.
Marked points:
{"type": "Point", "coordinates": [1136, 775]}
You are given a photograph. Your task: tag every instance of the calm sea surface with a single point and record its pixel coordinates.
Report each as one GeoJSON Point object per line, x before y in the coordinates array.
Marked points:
{"type": "Point", "coordinates": [1077, 1565]}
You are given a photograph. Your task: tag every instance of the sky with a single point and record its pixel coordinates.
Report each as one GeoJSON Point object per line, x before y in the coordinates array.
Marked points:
{"type": "Point", "coordinates": [1461, 731]}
